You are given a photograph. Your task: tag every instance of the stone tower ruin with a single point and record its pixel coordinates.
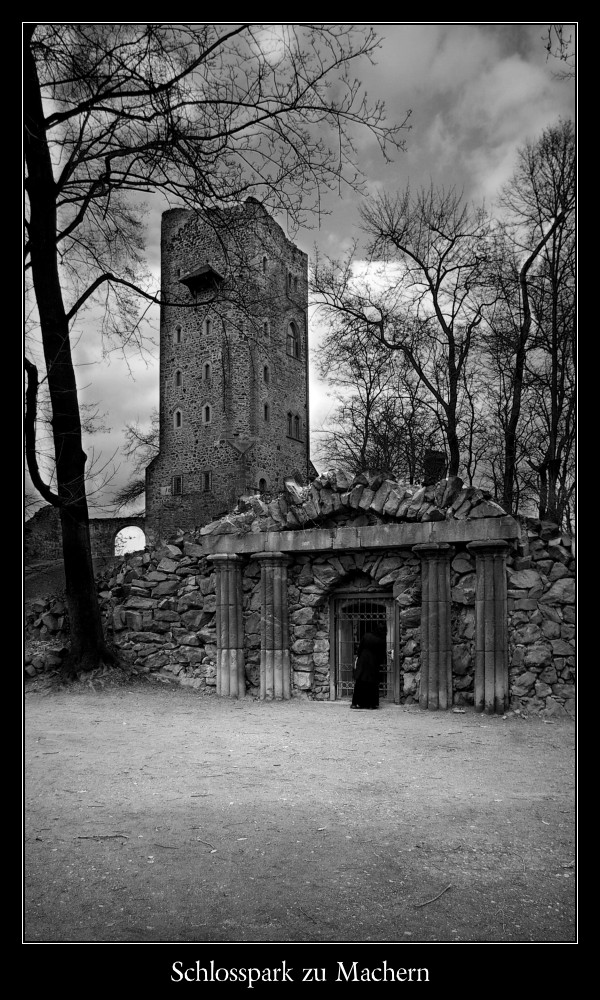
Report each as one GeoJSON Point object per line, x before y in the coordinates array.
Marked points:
{"type": "Point", "coordinates": [233, 365]}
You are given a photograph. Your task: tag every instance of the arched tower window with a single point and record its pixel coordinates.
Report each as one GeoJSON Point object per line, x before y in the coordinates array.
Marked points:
{"type": "Point", "coordinates": [266, 375]}
{"type": "Point", "coordinates": [289, 424]}
{"type": "Point", "coordinates": [289, 281]}
{"type": "Point", "coordinates": [177, 336]}
{"type": "Point", "coordinates": [266, 411]}
{"type": "Point", "coordinates": [207, 326]}
{"type": "Point", "coordinates": [264, 265]}
{"type": "Point", "coordinates": [206, 413]}
{"type": "Point", "coordinates": [177, 419]}
{"type": "Point", "coordinates": [178, 379]}
{"type": "Point", "coordinates": [293, 341]}
{"type": "Point", "coordinates": [265, 329]}
{"type": "Point", "coordinates": [206, 371]}
{"type": "Point", "coordinates": [262, 485]}
{"type": "Point", "coordinates": [297, 427]}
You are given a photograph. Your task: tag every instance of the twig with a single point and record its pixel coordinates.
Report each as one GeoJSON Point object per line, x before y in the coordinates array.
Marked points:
{"type": "Point", "coordinates": [104, 836]}
{"type": "Point", "coordinates": [427, 901]}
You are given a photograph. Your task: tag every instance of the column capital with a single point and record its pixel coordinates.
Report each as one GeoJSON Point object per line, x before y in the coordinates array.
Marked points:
{"type": "Point", "coordinates": [223, 557]}
{"type": "Point", "coordinates": [271, 557]}
{"type": "Point", "coordinates": [488, 547]}
{"type": "Point", "coordinates": [433, 549]}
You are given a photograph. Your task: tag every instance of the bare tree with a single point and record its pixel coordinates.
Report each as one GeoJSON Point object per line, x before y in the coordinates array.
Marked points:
{"type": "Point", "coordinates": [141, 446]}
{"type": "Point", "coordinates": [381, 422]}
{"type": "Point", "coordinates": [204, 114]}
{"type": "Point", "coordinates": [422, 294]}
{"type": "Point", "coordinates": [560, 44]}
{"type": "Point", "coordinates": [533, 322]}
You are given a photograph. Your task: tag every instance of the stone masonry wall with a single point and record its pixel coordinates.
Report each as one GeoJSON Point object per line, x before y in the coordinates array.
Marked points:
{"type": "Point", "coordinates": [159, 609]}
{"type": "Point", "coordinates": [224, 345]}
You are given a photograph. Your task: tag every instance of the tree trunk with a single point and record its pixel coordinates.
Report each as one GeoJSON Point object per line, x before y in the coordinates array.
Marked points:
{"type": "Point", "coordinates": [88, 648]}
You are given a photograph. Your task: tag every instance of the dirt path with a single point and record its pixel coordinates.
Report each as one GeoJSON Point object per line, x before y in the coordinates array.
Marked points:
{"type": "Point", "coordinates": [156, 815]}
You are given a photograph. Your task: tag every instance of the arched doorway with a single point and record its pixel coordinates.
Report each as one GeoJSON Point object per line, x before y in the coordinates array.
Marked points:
{"type": "Point", "coordinates": [352, 613]}
{"type": "Point", "coordinates": [129, 539]}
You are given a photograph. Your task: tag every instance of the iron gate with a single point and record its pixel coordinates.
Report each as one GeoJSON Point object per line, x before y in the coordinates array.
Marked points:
{"type": "Point", "coordinates": [352, 616]}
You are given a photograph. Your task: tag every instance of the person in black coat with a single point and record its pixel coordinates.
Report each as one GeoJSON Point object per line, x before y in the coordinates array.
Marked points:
{"type": "Point", "coordinates": [372, 655]}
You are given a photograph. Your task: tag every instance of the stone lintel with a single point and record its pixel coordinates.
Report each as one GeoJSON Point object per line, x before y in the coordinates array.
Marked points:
{"type": "Point", "coordinates": [378, 536]}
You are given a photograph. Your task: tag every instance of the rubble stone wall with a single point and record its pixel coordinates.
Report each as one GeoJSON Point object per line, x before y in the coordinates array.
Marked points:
{"type": "Point", "coordinates": [160, 605]}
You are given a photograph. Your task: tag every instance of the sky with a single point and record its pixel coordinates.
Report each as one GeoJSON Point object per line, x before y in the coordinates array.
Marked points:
{"type": "Point", "coordinates": [476, 92]}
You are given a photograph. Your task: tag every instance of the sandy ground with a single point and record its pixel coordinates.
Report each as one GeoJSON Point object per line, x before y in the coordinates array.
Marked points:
{"type": "Point", "coordinates": [153, 814]}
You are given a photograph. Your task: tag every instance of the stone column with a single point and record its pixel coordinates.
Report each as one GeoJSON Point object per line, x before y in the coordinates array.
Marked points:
{"type": "Point", "coordinates": [436, 639]}
{"type": "Point", "coordinates": [491, 628]}
{"type": "Point", "coordinates": [274, 632]}
{"type": "Point", "coordinates": [231, 676]}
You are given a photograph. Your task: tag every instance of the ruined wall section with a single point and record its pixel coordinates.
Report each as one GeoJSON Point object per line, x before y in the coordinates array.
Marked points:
{"type": "Point", "coordinates": [43, 537]}
{"type": "Point", "coordinates": [160, 606]}
{"type": "Point", "coordinates": [227, 378]}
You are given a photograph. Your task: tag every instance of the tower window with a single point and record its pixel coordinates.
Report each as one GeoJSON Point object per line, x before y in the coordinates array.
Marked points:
{"type": "Point", "coordinates": [206, 414]}
{"type": "Point", "coordinates": [289, 281]}
{"type": "Point", "coordinates": [266, 411]}
{"type": "Point", "coordinates": [206, 371]}
{"type": "Point", "coordinates": [177, 418]}
{"type": "Point", "coordinates": [265, 329]}
{"type": "Point", "coordinates": [293, 341]}
{"type": "Point", "coordinates": [207, 326]}
{"type": "Point", "coordinates": [262, 485]}
{"type": "Point", "coordinates": [207, 481]}
{"type": "Point", "coordinates": [289, 424]}
{"type": "Point", "coordinates": [178, 379]}
{"type": "Point", "coordinates": [266, 374]}
{"type": "Point", "coordinates": [177, 336]}
{"type": "Point", "coordinates": [297, 427]}
{"type": "Point", "coordinates": [177, 486]}
{"type": "Point", "coordinates": [264, 265]}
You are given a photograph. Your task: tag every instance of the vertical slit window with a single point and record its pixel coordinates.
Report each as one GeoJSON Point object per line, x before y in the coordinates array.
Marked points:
{"type": "Point", "coordinates": [293, 342]}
